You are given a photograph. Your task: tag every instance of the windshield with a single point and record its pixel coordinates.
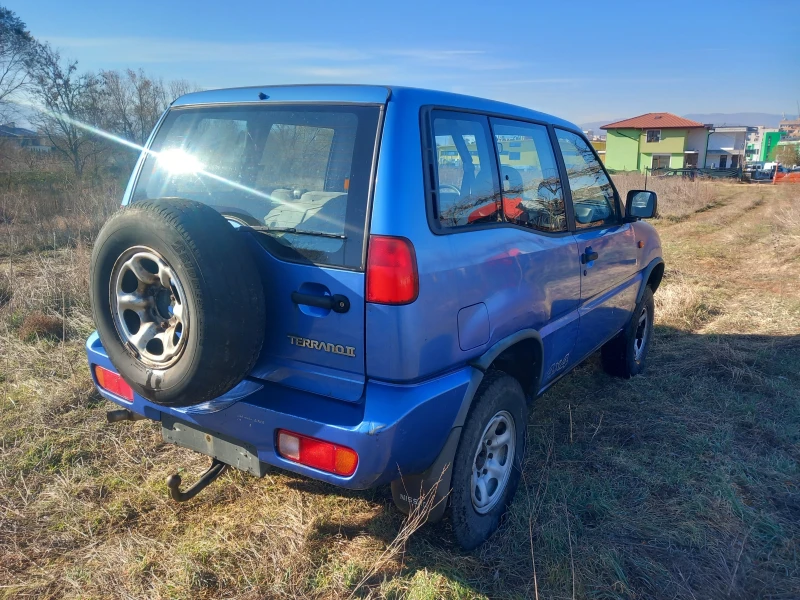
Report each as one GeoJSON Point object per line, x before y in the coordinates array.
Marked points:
{"type": "Point", "coordinates": [290, 171]}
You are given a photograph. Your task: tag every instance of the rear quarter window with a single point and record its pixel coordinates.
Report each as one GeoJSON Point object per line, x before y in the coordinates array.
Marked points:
{"type": "Point", "coordinates": [467, 190]}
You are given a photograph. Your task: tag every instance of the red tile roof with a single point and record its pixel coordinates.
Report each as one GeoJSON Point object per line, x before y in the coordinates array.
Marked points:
{"type": "Point", "coordinates": [654, 121]}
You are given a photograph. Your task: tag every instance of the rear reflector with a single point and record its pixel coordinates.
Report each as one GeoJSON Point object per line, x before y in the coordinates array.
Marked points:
{"type": "Point", "coordinates": [317, 454]}
{"type": "Point", "coordinates": [112, 382]}
{"type": "Point", "coordinates": [391, 271]}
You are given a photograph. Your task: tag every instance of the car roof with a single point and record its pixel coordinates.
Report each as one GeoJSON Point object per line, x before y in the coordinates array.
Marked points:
{"type": "Point", "coordinates": [364, 94]}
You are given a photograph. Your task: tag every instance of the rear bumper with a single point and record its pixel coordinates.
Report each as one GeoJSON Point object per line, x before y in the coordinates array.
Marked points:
{"type": "Point", "coordinates": [395, 429]}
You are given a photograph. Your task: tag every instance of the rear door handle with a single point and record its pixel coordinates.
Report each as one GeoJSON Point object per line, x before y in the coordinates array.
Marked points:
{"type": "Point", "coordinates": [337, 303]}
{"type": "Point", "coordinates": [588, 256]}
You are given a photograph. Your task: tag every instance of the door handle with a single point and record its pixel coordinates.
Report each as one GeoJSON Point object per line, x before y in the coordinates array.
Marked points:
{"type": "Point", "coordinates": [588, 256]}
{"type": "Point", "coordinates": [337, 303]}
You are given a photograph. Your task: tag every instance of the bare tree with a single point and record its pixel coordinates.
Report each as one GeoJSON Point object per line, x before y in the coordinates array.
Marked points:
{"type": "Point", "coordinates": [149, 101]}
{"type": "Point", "coordinates": [118, 97]}
{"type": "Point", "coordinates": [70, 104]}
{"type": "Point", "coordinates": [134, 101]}
{"type": "Point", "coordinates": [16, 48]}
{"type": "Point", "coordinates": [178, 87]}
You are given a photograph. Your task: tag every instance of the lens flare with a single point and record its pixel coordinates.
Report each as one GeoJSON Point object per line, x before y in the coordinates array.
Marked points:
{"type": "Point", "coordinates": [178, 162]}
{"type": "Point", "coordinates": [174, 160]}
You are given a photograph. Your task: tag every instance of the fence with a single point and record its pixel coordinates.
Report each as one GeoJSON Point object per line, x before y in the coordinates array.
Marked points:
{"type": "Point", "coordinates": [790, 177]}
{"type": "Point", "coordinates": [693, 172]}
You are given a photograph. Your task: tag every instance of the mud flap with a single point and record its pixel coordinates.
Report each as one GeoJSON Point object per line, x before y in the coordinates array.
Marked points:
{"type": "Point", "coordinates": [429, 491]}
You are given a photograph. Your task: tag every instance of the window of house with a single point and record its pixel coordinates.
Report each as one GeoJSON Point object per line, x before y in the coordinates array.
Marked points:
{"type": "Point", "coordinates": [660, 161]}
{"type": "Point", "coordinates": [653, 135]}
{"type": "Point", "coordinates": [467, 187]}
{"type": "Point", "coordinates": [532, 194]}
{"type": "Point", "coordinates": [593, 199]}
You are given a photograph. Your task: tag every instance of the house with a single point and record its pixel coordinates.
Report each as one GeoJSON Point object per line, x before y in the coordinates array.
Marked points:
{"type": "Point", "coordinates": [726, 146]}
{"type": "Point", "coordinates": [754, 150]}
{"type": "Point", "coordinates": [790, 128]}
{"type": "Point", "coordinates": [599, 146]}
{"type": "Point", "coordinates": [769, 144]}
{"type": "Point", "coordinates": [655, 141]}
{"type": "Point", "coordinates": [24, 138]}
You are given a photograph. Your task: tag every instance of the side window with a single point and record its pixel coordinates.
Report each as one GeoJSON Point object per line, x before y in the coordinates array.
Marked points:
{"type": "Point", "coordinates": [592, 195]}
{"type": "Point", "coordinates": [467, 188]}
{"type": "Point", "coordinates": [529, 178]}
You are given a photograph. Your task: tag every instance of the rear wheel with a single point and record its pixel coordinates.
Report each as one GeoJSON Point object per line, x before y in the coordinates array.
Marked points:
{"type": "Point", "coordinates": [177, 301]}
{"type": "Point", "coordinates": [626, 355]}
{"type": "Point", "coordinates": [488, 462]}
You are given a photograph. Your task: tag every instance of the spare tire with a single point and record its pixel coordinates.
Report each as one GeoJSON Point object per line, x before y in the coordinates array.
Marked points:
{"type": "Point", "coordinates": [177, 300]}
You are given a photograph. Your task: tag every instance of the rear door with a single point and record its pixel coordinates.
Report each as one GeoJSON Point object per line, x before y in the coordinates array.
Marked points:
{"type": "Point", "coordinates": [606, 245]}
{"type": "Point", "coordinates": [296, 179]}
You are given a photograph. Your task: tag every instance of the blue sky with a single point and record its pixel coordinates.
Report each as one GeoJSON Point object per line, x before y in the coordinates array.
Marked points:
{"type": "Point", "coordinates": [582, 60]}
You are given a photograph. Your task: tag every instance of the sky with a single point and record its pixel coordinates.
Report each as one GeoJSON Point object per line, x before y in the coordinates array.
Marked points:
{"type": "Point", "coordinates": [581, 60]}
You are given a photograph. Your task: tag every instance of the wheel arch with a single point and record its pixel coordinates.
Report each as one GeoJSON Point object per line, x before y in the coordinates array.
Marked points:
{"type": "Point", "coordinates": [510, 355]}
{"type": "Point", "coordinates": [652, 275]}
{"type": "Point", "coordinates": [515, 355]}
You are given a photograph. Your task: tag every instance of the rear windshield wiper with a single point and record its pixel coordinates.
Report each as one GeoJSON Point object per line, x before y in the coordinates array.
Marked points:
{"type": "Point", "coordinates": [268, 229]}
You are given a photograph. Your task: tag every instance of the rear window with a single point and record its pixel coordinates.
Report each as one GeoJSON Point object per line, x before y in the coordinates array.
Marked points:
{"type": "Point", "coordinates": [298, 174]}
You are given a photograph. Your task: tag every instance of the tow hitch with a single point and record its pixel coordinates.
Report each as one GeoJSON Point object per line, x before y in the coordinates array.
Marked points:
{"type": "Point", "coordinates": [174, 482]}
{"type": "Point", "coordinates": [123, 414]}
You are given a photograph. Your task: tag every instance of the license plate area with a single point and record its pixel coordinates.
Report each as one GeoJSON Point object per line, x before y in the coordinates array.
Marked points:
{"type": "Point", "coordinates": [230, 451]}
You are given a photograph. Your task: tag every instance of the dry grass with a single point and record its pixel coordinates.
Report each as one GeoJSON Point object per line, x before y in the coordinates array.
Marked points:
{"type": "Point", "coordinates": [6, 289]}
{"type": "Point", "coordinates": [678, 197]}
{"type": "Point", "coordinates": [683, 483]}
{"type": "Point", "coordinates": [47, 210]}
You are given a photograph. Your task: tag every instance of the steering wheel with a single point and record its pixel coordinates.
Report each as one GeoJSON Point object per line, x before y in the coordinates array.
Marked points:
{"type": "Point", "coordinates": [450, 187]}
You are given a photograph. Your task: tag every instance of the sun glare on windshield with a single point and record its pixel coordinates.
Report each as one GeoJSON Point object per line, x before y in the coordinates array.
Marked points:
{"type": "Point", "coordinates": [178, 162]}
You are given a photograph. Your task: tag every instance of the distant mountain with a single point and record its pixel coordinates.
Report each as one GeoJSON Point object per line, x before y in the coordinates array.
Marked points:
{"type": "Point", "coordinates": [596, 125]}
{"type": "Point", "coordinates": [743, 118]}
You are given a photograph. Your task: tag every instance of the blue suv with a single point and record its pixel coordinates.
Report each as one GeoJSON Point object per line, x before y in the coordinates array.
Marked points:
{"type": "Point", "coordinates": [366, 285]}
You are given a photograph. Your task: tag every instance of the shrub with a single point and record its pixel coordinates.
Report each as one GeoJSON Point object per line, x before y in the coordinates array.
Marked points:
{"type": "Point", "coordinates": [39, 325]}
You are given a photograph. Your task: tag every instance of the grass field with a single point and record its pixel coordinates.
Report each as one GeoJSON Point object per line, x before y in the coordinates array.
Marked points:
{"type": "Point", "coordinates": [683, 483]}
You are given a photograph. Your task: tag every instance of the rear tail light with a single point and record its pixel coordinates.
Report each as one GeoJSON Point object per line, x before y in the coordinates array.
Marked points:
{"type": "Point", "coordinates": [391, 271]}
{"type": "Point", "coordinates": [318, 454]}
{"type": "Point", "coordinates": [112, 382]}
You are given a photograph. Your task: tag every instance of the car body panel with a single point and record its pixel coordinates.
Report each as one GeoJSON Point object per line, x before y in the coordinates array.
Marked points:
{"type": "Point", "coordinates": [394, 428]}
{"type": "Point", "coordinates": [415, 367]}
{"type": "Point", "coordinates": [607, 295]}
{"type": "Point", "coordinates": [334, 366]}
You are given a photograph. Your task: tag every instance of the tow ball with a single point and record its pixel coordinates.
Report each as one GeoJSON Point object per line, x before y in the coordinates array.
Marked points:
{"type": "Point", "coordinates": [216, 469]}
{"type": "Point", "coordinates": [174, 482]}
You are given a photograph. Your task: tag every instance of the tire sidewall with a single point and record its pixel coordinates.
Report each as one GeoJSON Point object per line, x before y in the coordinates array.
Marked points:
{"type": "Point", "coordinates": [646, 303]}
{"type": "Point", "coordinates": [125, 232]}
{"type": "Point", "coordinates": [501, 392]}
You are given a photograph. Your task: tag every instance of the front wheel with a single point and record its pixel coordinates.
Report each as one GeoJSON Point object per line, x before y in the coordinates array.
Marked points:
{"type": "Point", "coordinates": [488, 462]}
{"type": "Point", "coordinates": [626, 355]}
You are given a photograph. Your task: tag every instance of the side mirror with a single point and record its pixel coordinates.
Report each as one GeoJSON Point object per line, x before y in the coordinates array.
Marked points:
{"type": "Point", "coordinates": [640, 205]}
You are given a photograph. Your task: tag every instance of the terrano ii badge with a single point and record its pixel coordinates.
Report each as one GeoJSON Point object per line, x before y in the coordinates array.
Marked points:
{"type": "Point", "coordinates": [324, 346]}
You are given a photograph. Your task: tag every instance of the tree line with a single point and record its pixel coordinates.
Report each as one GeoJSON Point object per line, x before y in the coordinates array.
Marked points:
{"type": "Point", "coordinates": [66, 104]}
